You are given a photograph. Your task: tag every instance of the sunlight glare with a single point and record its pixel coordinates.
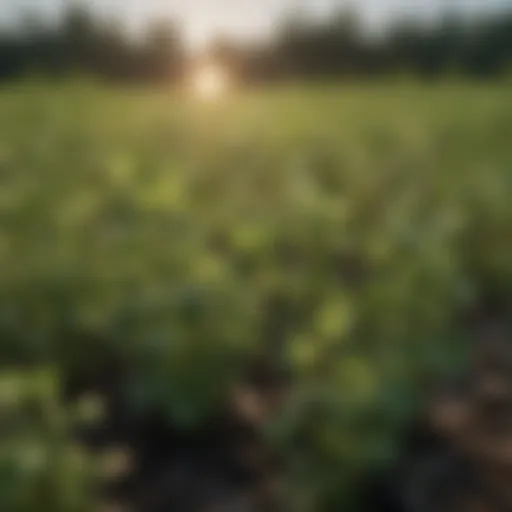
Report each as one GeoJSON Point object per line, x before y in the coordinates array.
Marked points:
{"type": "Point", "coordinates": [210, 83]}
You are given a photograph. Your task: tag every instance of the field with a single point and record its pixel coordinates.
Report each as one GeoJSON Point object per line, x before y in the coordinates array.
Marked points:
{"type": "Point", "coordinates": [346, 232]}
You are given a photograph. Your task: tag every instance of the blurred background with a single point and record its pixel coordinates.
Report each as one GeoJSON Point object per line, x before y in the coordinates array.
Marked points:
{"type": "Point", "coordinates": [255, 256]}
{"type": "Point", "coordinates": [259, 41]}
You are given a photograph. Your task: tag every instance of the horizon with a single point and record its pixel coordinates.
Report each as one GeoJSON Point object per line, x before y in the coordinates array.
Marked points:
{"type": "Point", "coordinates": [203, 20]}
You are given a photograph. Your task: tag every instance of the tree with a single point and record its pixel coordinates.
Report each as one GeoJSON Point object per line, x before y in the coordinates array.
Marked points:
{"type": "Point", "coordinates": [162, 51]}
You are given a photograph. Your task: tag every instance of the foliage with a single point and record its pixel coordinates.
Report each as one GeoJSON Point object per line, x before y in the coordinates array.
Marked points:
{"type": "Point", "coordinates": [41, 467]}
{"type": "Point", "coordinates": [340, 229]}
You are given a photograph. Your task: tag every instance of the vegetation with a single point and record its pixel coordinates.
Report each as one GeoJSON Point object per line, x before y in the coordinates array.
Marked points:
{"type": "Point", "coordinates": [300, 48]}
{"type": "Point", "coordinates": [342, 231]}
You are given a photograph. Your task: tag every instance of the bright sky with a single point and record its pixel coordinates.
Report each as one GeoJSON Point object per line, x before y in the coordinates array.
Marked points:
{"type": "Point", "coordinates": [203, 19]}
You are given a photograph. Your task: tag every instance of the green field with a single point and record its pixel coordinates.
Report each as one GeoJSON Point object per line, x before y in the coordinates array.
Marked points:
{"type": "Point", "coordinates": [343, 229]}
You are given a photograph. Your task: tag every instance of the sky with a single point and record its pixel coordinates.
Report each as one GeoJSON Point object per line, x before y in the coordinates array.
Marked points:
{"type": "Point", "coordinates": [203, 19]}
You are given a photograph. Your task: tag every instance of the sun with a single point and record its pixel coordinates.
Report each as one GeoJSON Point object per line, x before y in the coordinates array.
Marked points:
{"type": "Point", "coordinates": [210, 82]}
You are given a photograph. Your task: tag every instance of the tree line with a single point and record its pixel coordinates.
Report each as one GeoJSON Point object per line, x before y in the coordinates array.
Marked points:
{"type": "Point", "coordinates": [302, 48]}
{"type": "Point", "coordinates": [82, 43]}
